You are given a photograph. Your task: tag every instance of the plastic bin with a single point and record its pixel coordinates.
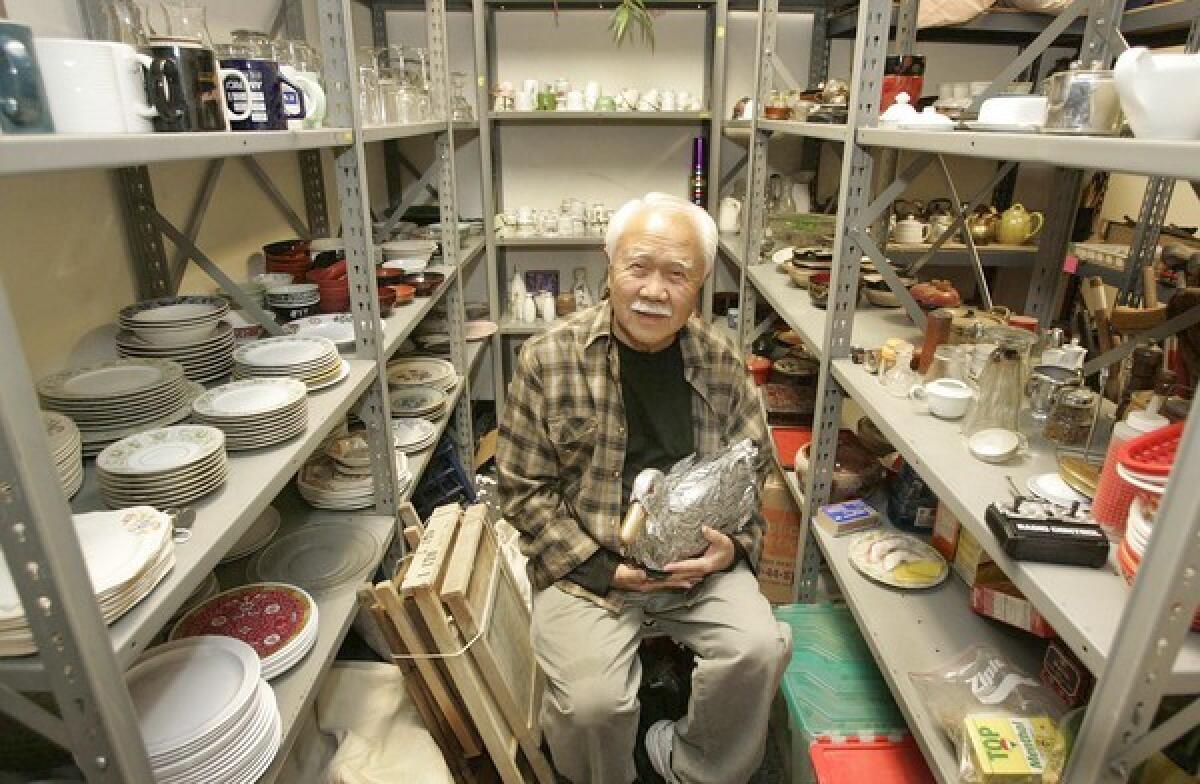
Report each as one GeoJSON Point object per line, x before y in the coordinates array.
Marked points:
{"type": "Point", "coordinates": [880, 762]}
{"type": "Point", "coordinates": [832, 691]}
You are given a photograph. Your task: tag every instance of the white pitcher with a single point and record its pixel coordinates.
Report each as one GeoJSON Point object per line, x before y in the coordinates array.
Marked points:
{"type": "Point", "coordinates": [1158, 93]}
{"type": "Point", "coordinates": [729, 216]}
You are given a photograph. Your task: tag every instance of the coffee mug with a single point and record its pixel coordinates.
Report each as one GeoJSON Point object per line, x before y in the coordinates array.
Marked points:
{"type": "Point", "coordinates": [947, 398]}
{"type": "Point", "coordinates": [24, 107]}
{"type": "Point", "coordinates": [606, 103]}
{"type": "Point", "coordinates": [261, 91]}
{"type": "Point", "coordinates": [747, 111]}
{"type": "Point", "coordinates": [184, 85]}
{"type": "Point", "coordinates": [525, 214]}
{"type": "Point", "coordinates": [650, 101]}
{"type": "Point", "coordinates": [95, 86]}
{"type": "Point", "coordinates": [591, 94]}
{"type": "Point", "coordinates": [524, 102]}
{"type": "Point", "coordinates": [575, 102]}
{"type": "Point", "coordinates": [911, 232]}
{"type": "Point", "coordinates": [668, 101]}
{"type": "Point", "coordinates": [313, 98]}
{"type": "Point", "coordinates": [628, 99]}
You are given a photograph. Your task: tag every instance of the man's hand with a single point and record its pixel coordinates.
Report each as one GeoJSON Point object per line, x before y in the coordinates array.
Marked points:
{"type": "Point", "coordinates": [630, 578]}
{"type": "Point", "coordinates": [718, 557]}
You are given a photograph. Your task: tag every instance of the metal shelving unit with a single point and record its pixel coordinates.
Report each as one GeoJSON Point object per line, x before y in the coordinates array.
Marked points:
{"type": "Point", "coordinates": [709, 122]}
{"type": "Point", "coordinates": [1135, 642]}
{"type": "Point", "coordinates": [81, 661]}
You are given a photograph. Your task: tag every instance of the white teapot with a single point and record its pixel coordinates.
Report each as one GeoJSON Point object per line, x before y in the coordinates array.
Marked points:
{"type": "Point", "coordinates": [729, 216]}
{"type": "Point", "coordinates": [1158, 93]}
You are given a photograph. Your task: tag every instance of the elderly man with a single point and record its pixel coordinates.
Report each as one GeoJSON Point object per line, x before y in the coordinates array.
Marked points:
{"type": "Point", "coordinates": [632, 383]}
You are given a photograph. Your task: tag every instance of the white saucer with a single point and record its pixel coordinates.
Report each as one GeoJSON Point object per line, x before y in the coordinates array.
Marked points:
{"type": "Point", "coordinates": [1051, 487]}
{"type": "Point", "coordinates": [975, 125]}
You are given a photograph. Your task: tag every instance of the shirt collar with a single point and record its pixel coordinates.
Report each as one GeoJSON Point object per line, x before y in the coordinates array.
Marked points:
{"type": "Point", "coordinates": [693, 352]}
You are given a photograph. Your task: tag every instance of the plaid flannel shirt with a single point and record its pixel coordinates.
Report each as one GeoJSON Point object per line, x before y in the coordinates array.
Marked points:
{"type": "Point", "coordinates": [562, 440]}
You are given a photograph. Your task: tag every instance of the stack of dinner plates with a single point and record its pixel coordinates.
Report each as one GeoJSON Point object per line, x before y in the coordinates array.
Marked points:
{"type": "Point", "coordinates": [174, 321]}
{"type": "Point", "coordinates": [170, 466]}
{"type": "Point", "coordinates": [205, 359]}
{"type": "Point", "coordinates": [277, 620]}
{"type": "Point", "coordinates": [111, 400]}
{"type": "Point", "coordinates": [320, 557]}
{"type": "Point", "coordinates": [261, 531]}
{"type": "Point", "coordinates": [205, 712]}
{"type": "Point", "coordinates": [423, 402]}
{"type": "Point", "coordinates": [66, 447]}
{"type": "Point", "coordinates": [338, 327]}
{"type": "Point", "coordinates": [413, 434]}
{"type": "Point", "coordinates": [256, 412]}
{"type": "Point", "coordinates": [127, 553]}
{"type": "Point", "coordinates": [408, 372]}
{"type": "Point", "coordinates": [313, 360]}
{"type": "Point", "coordinates": [331, 484]}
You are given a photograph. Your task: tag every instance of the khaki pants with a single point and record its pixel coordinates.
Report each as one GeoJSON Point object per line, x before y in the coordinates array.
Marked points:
{"type": "Point", "coordinates": [590, 708]}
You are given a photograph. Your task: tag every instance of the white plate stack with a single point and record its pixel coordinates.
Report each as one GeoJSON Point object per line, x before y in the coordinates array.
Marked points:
{"type": "Point", "coordinates": [338, 327]}
{"type": "Point", "coordinates": [187, 329]}
{"type": "Point", "coordinates": [261, 531]}
{"type": "Point", "coordinates": [127, 553]}
{"type": "Point", "coordinates": [277, 620]}
{"type": "Point", "coordinates": [205, 712]}
{"type": "Point", "coordinates": [171, 466]}
{"type": "Point", "coordinates": [320, 557]}
{"type": "Point", "coordinates": [66, 447]}
{"type": "Point", "coordinates": [411, 434]}
{"type": "Point", "coordinates": [256, 412]}
{"type": "Point", "coordinates": [332, 484]}
{"type": "Point", "coordinates": [313, 360]}
{"type": "Point", "coordinates": [423, 402]}
{"type": "Point", "coordinates": [111, 400]}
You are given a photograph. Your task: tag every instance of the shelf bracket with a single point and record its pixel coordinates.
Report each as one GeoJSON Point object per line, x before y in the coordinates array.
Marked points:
{"type": "Point", "coordinates": [34, 716]}
{"type": "Point", "coordinates": [1160, 737]}
{"type": "Point", "coordinates": [207, 187]}
{"type": "Point", "coordinates": [1030, 53]}
{"type": "Point", "coordinates": [226, 283]}
{"type": "Point", "coordinates": [276, 197]}
{"type": "Point", "coordinates": [968, 240]}
{"type": "Point", "coordinates": [1177, 323]}
{"type": "Point", "coordinates": [312, 174]}
{"type": "Point", "coordinates": [411, 196]}
{"type": "Point", "coordinates": [145, 243]}
{"type": "Point", "coordinates": [960, 219]}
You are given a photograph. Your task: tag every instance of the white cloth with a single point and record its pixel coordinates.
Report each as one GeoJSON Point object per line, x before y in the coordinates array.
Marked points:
{"type": "Point", "coordinates": [937, 13]}
{"type": "Point", "coordinates": [382, 739]}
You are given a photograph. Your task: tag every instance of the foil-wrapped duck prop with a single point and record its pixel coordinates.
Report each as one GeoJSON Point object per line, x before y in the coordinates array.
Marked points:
{"type": "Point", "coordinates": [667, 512]}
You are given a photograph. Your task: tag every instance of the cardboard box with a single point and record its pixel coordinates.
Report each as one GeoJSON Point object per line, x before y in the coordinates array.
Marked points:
{"type": "Point", "coordinates": [1065, 675]}
{"type": "Point", "coordinates": [972, 564]}
{"type": "Point", "coordinates": [1002, 602]}
{"type": "Point", "coordinates": [945, 532]}
{"type": "Point", "coordinates": [777, 566]}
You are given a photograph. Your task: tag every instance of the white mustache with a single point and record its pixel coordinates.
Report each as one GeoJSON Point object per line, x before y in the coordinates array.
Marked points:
{"type": "Point", "coordinates": [651, 308]}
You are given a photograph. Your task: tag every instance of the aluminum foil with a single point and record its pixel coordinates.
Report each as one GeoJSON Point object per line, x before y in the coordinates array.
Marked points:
{"type": "Point", "coordinates": [719, 491]}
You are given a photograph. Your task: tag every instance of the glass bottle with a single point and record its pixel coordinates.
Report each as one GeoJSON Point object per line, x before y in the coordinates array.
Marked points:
{"type": "Point", "coordinates": [187, 21]}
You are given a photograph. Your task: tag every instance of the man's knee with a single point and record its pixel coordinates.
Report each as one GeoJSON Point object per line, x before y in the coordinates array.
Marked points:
{"type": "Point", "coordinates": [594, 701]}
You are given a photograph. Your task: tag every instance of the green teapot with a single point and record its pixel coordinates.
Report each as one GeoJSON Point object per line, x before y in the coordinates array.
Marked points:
{"type": "Point", "coordinates": [1017, 226]}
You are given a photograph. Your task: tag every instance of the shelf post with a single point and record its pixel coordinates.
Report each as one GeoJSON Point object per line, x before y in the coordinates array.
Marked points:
{"type": "Point", "coordinates": [48, 570]}
{"type": "Point", "coordinates": [718, 26]}
{"type": "Point", "coordinates": [1156, 620]}
{"type": "Point", "coordinates": [870, 48]}
{"type": "Point", "coordinates": [339, 74]}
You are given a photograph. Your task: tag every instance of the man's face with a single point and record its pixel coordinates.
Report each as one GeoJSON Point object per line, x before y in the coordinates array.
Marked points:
{"type": "Point", "coordinates": [654, 279]}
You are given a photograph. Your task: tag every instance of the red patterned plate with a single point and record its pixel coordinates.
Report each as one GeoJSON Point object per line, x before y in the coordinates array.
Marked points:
{"type": "Point", "coordinates": [266, 616]}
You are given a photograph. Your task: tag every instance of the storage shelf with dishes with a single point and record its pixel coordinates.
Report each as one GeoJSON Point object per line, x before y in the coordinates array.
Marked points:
{"type": "Point", "coordinates": [954, 254]}
{"type": "Point", "coordinates": [405, 318]}
{"type": "Point", "coordinates": [254, 479]}
{"type": "Point", "coordinates": [379, 133]}
{"type": "Point", "coordinates": [872, 326]}
{"type": "Point", "coordinates": [549, 240]}
{"type": "Point", "coordinates": [1083, 605]}
{"type": "Point", "coordinates": [296, 689]}
{"type": "Point", "coordinates": [937, 624]}
{"type": "Point", "coordinates": [21, 154]}
{"type": "Point", "coordinates": [419, 461]}
{"type": "Point", "coordinates": [1151, 157]}
{"type": "Point", "coordinates": [599, 118]}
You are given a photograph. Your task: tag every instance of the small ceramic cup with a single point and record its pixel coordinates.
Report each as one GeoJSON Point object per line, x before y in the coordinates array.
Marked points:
{"type": "Point", "coordinates": [947, 398]}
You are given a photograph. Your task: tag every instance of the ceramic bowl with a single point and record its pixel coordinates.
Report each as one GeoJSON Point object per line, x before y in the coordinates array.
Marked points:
{"type": "Point", "coordinates": [994, 445]}
{"type": "Point", "coordinates": [293, 294]}
{"type": "Point", "coordinates": [425, 283]}
{"type": "Point", "coordinates": [286, 313]}
{"type": "Point", "coordinates": [855, 473]}
{"type": "Point", "coordinates": [271, 279]}
{"type": "Point", "coordinates": [286, 248]}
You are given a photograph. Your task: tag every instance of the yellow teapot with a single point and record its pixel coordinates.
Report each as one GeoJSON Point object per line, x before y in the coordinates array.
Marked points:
{"type": "Point", "coordinates": [1016, 226]}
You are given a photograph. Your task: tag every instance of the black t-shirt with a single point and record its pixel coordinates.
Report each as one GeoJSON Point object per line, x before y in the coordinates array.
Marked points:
{"type": "Point", "coordinates": [658, 412]}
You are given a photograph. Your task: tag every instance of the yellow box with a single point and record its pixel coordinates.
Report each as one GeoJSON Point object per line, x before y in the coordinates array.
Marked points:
{"type": "Point", "coordinates": [1013, 750]}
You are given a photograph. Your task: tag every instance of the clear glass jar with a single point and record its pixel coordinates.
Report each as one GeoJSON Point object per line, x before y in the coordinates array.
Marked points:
{"type": "Point", "coordinates": [253, 44]}
{"type": "Point", "coordinates": [460, 108]}
{"type": "Point", "coordinates": [1070, 420]}
{"type": "Point", "coordinates": [187, 21]}
{"type": "Point", "coordinates": [370, 102]}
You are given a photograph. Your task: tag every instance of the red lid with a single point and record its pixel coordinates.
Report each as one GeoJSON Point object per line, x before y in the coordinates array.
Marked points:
{"type": "Point", "coordinates": [788, 441]}
{"type": "Point", "coordinates": [879, 762]}
{"type": "Point", "coordinates": [1153, 452]}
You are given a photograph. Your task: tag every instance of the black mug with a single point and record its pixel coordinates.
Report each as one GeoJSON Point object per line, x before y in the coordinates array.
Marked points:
{"type": "Point", "coordinates": [23, 104]}
{"type": "Point", "coordinates": [260, 92]}
{"type": "Point", "coordinates": [184, 84]}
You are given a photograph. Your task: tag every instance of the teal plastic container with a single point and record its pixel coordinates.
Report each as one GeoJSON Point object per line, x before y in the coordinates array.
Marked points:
{"type": "Point", "coordinates": [832, 689]}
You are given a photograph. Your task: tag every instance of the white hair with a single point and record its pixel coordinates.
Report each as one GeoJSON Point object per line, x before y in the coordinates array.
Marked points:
{"type": "Point", "coordinates": [702, 223]}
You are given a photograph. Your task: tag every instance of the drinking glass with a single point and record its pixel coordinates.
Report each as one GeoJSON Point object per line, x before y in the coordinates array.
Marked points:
{"type": "Point", "coordinates": [187, 21]}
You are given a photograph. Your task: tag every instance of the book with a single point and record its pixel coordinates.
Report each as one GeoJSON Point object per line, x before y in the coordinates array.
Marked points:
{"type": "Point", "coordinates": [847, 517]}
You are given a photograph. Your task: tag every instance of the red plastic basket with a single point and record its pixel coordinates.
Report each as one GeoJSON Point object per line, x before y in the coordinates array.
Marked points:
{"type": "Point", "coordinates": [1152, 453]}
{"type": "Point", "coordinates": [877, 762]}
